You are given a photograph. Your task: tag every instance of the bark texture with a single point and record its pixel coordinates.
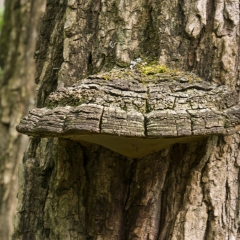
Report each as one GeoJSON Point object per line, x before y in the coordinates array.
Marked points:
{"type": "Point", "coordinates": [17, 46]}
{"type": "Point", "coordinates": [72, 190]}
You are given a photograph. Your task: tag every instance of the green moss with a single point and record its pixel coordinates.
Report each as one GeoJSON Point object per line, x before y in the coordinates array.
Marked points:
{"type": "Point", "coordinates": [107, 77]}
{"type": "Point", "coordinates": [153, 69]}
{"type": "Point", "coordinates": [146, 72]}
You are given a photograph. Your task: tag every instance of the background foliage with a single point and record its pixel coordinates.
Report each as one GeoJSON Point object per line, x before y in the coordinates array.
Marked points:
{"type": "Point", "coordinates": [1, 18]}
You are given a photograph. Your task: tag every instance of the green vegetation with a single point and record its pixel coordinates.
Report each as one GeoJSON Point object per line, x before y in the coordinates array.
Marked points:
{"type": "Point", "coordinates": [151, 69]}
{"type": "Point", "coordinates": [1, 18]}
{"type": "Point", "coordinates": [155, 71]}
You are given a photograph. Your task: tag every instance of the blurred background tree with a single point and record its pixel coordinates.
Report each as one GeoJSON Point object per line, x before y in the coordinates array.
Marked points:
{"type": "Point", "coordinates": [1, 17]}
{"type": "Point", "coordinates": [20, 25]}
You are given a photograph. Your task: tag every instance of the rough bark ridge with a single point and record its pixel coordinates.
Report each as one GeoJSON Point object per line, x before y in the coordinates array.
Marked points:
{"type": "Point", "coordinates": [83, 191]}
{"type": "Point", "coordinates": [17, 46]}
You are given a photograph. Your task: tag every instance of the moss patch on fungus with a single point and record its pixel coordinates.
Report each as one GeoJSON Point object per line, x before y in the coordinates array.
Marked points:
{"type": "Point", "coordinates": [153, 69]}
{"type": "Point", "coordinates": [145, 72]}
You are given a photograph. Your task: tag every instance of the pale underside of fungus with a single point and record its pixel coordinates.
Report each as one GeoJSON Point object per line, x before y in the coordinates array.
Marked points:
{"type": "Point", "coordinates": [135, 114]}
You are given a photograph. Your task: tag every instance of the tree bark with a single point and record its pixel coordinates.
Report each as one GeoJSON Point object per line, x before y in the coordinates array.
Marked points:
{"type": "Point", "coordinates": [71, 190]}
{"type": "Point", "coordinates": [17, 46]}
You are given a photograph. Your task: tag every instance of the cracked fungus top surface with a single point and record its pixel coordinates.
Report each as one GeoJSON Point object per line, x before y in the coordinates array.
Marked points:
{"type": "Point", "coordinates": [136, 112]}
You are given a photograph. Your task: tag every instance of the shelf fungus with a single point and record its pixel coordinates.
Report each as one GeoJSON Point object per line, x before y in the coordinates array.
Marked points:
{"type": "Point", "coordinates": [136, 114]}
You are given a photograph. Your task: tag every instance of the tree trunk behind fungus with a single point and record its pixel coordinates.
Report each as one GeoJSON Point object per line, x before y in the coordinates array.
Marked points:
{"type": "Point", "coordinates": [17, 46]}
{"type": "Point", "coordinates": [71, 190]}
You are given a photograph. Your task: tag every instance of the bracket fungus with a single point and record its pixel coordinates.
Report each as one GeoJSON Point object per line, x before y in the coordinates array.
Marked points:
{"type": "Point", "coordinates": [135, 113]}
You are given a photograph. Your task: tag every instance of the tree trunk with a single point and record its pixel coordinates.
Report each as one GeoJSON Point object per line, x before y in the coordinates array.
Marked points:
{"type": "Point", "coordinates": [17, 46]}
{"type": "Point", "coordinates": [71, 190]}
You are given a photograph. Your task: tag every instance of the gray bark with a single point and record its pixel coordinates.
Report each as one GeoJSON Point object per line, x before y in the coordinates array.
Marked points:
{"type": "Point", "coordinates": [80, 190]}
